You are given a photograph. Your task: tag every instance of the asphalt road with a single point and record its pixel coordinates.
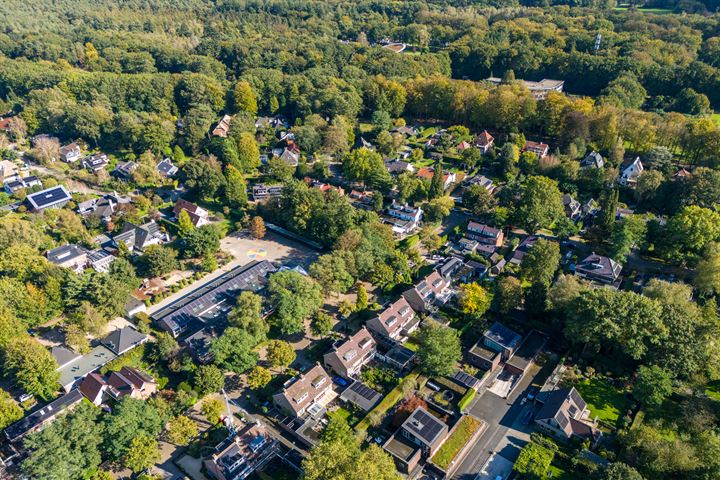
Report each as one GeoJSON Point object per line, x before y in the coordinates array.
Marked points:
{"type": "Point", "coordinates": [505, 433]}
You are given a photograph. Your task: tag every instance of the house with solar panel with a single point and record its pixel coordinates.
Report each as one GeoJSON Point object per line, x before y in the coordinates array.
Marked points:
{"type": "Point", "coordinates": [241, 454]}
{"type": "Point", "coordinates": [419, 437]}
{"type": "Point", "coordinates": [54, 197]}
{"type": "Point", "coordinates": [214, 299]}
{"type": "Point", "coordinates": [565, 415]}
{"type": "Point", "coordinates": [138, 237]}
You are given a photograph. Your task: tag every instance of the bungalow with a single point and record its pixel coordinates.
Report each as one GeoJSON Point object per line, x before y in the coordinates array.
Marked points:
{"type": "Point", "coordinates": [485, 234]}
{"type": "Point", "coordinates": [433, 290]}
{"type": "Point", "coordinates": [223, 127]}
{"type": "Point", "coordinates": [399, 166]}
{"type": "Point", "coordinates": [94, 388]}
{"type": "Point", "coordinates": [70, 153]}
{"type": "Point", "coordinates": [682, 173]}
{"type": "Point", "coordinates": [166, 168]}
{"type": "Point", "coordinates": [428, 173]}
{"type": "Point", "coordinates": [396, 322]}
{"type": "Point", "coordinates": [484, 141]}
{"type": "Point", "coordinates": [99, 260]}
{"type": "Point", "coordinates": [538, 148]}
{"type": "Point", "coordinates": [572, 207]}
{"type": "Point", "coordinates": [347, 358]}
{"type": "Point", "coordinates": [242, 454]}
{"type": "Point", "coordinates": [450, 267]}
{"type": "Point", "coordinates": [361, 395]}
{"type": "Point", "coordinates": [565, 415]}
{"type": "Point", "coordinates": [54, 197]}
{"type": "Point", "coordinates": [406, 131]}
{"type": "Point", "coordinates": [69, 256]}
{"type": "Point", "coordinates": [124, 339]}
{"type": "Point", "coordinates": [198, 215]}
{"type": "Point", "coordinates": [592, 160]}
{"type": "Point", "coordinates": [598, 268]}
{"type": "Point", "coordinates": [462, 146]}
{"type": "Point", "coordinates": [290, 156]}
{"type": "Point", "coordinates": [499, 266]}
{"type": "Point", "coordinates": [362, 200]}
{"type": "Point", "coordinates": [42, 417]}
{"type": "Point", "coordinates": [137, 238]}
{"type": "Point", "coordinates": [199, 344]}
{"type": "Point", "coordinates": [305, 392]}
{"type": "Point", "coordinates": [95, 162]}
{"type": "Point", "coordinates": [540, 89]}
{"type": "Point", "coordinates": [630, 172]}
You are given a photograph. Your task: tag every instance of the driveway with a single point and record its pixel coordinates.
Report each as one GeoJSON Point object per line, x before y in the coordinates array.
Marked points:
{"type": "Point", "coordinates": [505, 435]}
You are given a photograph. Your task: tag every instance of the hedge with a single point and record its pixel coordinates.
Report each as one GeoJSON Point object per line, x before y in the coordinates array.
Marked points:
{"type": "Point", "coordinates": [390, 400]}
{"type": "Point", "coordinates": [466, 399]}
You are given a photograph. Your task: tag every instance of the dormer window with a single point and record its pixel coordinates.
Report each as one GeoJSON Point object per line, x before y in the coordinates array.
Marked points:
{"type": "Point", "coordinates": [302, 397]}
{"type": "Point", "coordinates": [391, 321]}
{"type": "Point", "coordinates": [349, 355]}
{"type": "Point", "coordinates": [365, 343]}
{"type": "Point", "coordinates": [318, 382]}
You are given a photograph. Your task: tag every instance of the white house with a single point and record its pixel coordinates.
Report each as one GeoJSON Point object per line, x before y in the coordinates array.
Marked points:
{"type": "Point", "coordinates": [631, 172]}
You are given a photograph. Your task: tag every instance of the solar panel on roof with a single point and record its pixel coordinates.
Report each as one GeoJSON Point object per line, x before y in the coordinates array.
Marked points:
{"type": "Point", "coordinates": [364, 391]}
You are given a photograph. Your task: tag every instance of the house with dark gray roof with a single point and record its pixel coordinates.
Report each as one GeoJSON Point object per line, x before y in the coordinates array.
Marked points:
{"type": "Point", "coordinates": [63, 356]}
{"type": "Point", "coordinates": [137, 238]}
{"type": "Point", "coordinates": [166, 168]}
{"type": "Point", "coordinates": [361, 395]}
{"type": "Point", "coordinates": [572, 207]}
{"type": "Point", "coordinates": [564, 414]}
{"type": "Point", "coordinates": [598, 268]}
{"type": "Point", "coordinates": [70, 256]}
{"type": "Point", "coordinates": [593, 160]}
{"type": "Point", "coordinates": [42, 416]}
{"type": "Point", "coordinates": [424, 430]}
{"type": "Point", "coordinates": [124, 339]}
{"type": "Point", "coordinates": [54, 197]}
{"type": "Point", "coordinates": [214, 298]}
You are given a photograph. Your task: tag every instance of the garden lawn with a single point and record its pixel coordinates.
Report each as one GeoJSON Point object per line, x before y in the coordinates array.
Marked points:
{"type": "Point", "coordinates": [392, 398]}
{"type": "Point", "coordinates": [452, 446]}
{"type": "Point", "coordinates": [712, 390]}
{"type": "Point", "coordinates": [557, 473]}
{"type": "Point", "coordinates": [716, 117]}
{"type": "Point", "coordinates": [603, 399]}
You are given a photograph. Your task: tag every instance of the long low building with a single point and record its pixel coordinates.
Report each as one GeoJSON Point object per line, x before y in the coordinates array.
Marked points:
{"type": "Point", "coordinates": [213, 298]}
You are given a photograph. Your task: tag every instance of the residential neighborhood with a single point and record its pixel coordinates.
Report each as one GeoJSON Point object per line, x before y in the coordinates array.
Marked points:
{"type": "Point", "coordinates": [313, 240]}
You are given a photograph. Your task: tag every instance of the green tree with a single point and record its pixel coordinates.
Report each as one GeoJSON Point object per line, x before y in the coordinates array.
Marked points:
{"type": "Point", "coordinates": [181, 430]}
{"type": "Point", "coordinates": [437, 209]}
{"type": "Point", "coordinates": [361, 302]}
{"type": "Point", "coordinates": [131, 419]}
{"type": "Point", "coordinates": [538, 205]}
{"type": "Point", "coordinates": [69, 448]}
{"type": "Point", "coordinates": [10, 411]}
{"type": "Point", "coordinates": [478, 200]}
{"type": "Point", "coordinates": [620, 471]}
{"type": "Point", "coordinates": [508, 294]}
{"type": "Point", "coordinates": [689, 232]}
{"type": "Point", "coordinates": [159, 260]}
{"type": "Point", "coordinates": [707, 279]}
{"type": "Point", "coordinates": [185, 224]}
{"type": "Point", "coordinates": [233, 350]}
{"type": "Point", "coordinates": [201, 241]}
{"type": "Point", "coordinates": [473, 299]}
{"type": "Point", "coordinates": [331, 272]}
{"type": "Point", "coordinates": [32, 367]}
{"type": "Point", "coordinates": [213, 410]}
{"type": "Point", "coordinates": [235, 188]}
{"type": "Point", "coordinates": [296, 298]}
{"type": "Point", "coordinates": [437, 182]}
{"type": "Point", "coordinates": [248, 153]}
{"type": "Point", "coordinates": [208, 379]}
{"type": "Point", "coordinates": [257, 227]}
{"type": "Point", "coordinates": [164, 348]}
{"type": "Point", "coordinates": [541, 262]}
{"type": "Point", "coordinates": [244, 99]}
{"type": "Point", "coordinates": [628, 233]}
{"type": "Point", "coordinates": [440, 350]}
{"type": "Point", "coordinates": [280, 353]}
{"type": "Point", "coordinates": [508, 160]}
{"type": "Point", "coordinates": [652, 386]}
{"type": "Point", "coordinates": [624, 91]}
{"type": "Point", "coordinates": [322, 324]}
{"type": "Point", "coordinates": [606, 219]}
{"type": "Point", "coordinates": [142, 453]}
{"type": "Point", "coordinates": [258, 377]}
{"type": "Point", "coordinates": [247, 314]}
{"type": "Point", "coordinates": [534, 461]}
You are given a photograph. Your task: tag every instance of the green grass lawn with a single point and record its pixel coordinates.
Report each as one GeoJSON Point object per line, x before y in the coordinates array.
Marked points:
{"type": "Point", "coordinates": [659, 11]}
{"type": "Point", "coordinates": [452, 446]}
{"type": "Point", "coordinates": [604, 400]}
{"type": "Point", "coordinates": [557, 473]}
{"type": "Point", "coordinates": [712, 390]}
{"type": "Point", "coordinates": [716, 117]}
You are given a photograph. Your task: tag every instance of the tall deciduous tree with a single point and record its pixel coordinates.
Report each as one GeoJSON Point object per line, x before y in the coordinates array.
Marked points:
{"type": "Point", "coordinates": [541, 262]}
{"type": "Point", "coordinates": [235, 188]}
{"type": "Point", "coordinates": [474, 300]}
{"type": "Point", "coordinates": [244, 99]}
{"type": "Point", "coordinates": [539, 204]}
{"type": "Point", "coordinates": [652, 386]}
{"type": "Point", "coordinates": [440, 349]}
{"type": "Point", "coordinates": [233, 350]}
{"type": "Point", "coordinates": [280, 353]}
{"type": "Point", "coordinates": [32, 366]}
{"type": "Point", "coordinates": [296, 298]}
{"type": "Point", "coordinates": [257, 227]}
{"type": "Point", "coordinates": [142, 453]}
{"type": "Point", "coordinates": [248, 315]}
